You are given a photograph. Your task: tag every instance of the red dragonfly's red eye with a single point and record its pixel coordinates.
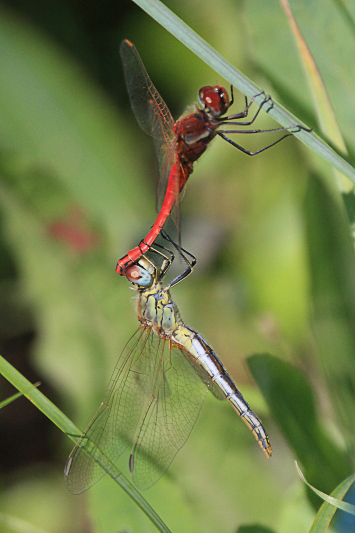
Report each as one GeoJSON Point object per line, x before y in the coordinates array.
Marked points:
{"type": "Point", "coordinates": [216, 99]}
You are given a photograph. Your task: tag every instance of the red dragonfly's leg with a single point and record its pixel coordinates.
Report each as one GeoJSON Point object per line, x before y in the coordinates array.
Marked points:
{"type": "Point", "coordinates": [247, 152]}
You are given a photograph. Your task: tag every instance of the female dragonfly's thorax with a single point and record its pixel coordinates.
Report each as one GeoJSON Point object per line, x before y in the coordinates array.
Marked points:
{"type": "Point", "coordinates": [156, 310]}
{"type": "Point", "coordinates": [218, 380]}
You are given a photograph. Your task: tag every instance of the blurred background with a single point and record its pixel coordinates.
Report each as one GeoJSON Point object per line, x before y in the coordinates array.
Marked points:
{"type": "Point", "coordinates": [77, 191]}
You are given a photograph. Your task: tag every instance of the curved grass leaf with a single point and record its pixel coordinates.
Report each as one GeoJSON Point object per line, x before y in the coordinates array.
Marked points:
{"type": "Point", "coordinates": [209, 55]}
{"type": "Point", "coordinates": [339, 504]}
{"type": "Point", "coordinates": [331, 504]}
{"type": "Point", "coordinates": [66, 425]}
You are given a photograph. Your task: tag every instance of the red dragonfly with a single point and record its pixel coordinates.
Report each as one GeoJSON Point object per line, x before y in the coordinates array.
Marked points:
{"type": "Point", "coordinates": [179, 144]}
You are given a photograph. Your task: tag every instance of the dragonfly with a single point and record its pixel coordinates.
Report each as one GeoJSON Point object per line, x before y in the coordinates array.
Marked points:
{"type": "Point", "coordinates": [179, 144]}
{"type": "Point", "coordinates": [157, 388]}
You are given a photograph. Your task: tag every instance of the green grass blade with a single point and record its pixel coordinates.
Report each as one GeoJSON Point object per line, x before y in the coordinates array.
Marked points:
{"type": "Point", "coordinates": [327, 510]}
{"type": "Point", "coordinates": [14, 397]}
{"type": "Point", "coordinates": [339, 504]}
{"type": "Point", "coordinates": [209, 55]}
{"type": "Point", "coordinates": [67, 426]}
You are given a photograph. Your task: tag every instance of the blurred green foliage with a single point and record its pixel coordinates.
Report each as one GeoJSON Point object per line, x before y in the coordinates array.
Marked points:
{"type": "Point", "coordinates": [275, 271]}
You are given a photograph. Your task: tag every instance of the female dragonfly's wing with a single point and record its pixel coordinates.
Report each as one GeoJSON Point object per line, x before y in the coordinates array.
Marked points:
{"type": "Point", "coordinates": [151, 112]}
{"type": "Point", "coordinates": [113, 426]}
{"type": "Point", "coordinates": [169, 416]}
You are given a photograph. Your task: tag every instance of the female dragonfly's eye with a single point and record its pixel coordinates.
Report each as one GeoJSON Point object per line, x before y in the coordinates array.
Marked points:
{"type": "Point", "coordinates": [139, 276]}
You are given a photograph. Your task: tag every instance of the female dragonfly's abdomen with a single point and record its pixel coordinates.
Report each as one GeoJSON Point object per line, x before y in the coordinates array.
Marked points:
{"type": "Point", "coordinates": [157, 310]}
{"type": "Point", "coordinates": [201, 353]}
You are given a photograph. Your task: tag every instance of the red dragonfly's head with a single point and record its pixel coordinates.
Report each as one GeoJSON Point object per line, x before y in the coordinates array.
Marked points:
{"type": "Point", "coordinates": [214, 99]}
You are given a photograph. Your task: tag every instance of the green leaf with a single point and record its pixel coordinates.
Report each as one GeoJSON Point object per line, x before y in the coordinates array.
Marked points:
{"type": "Point", "coordinates": [344, 506]}
{"type": "Point", "coordinates": [328, 509]}
{"type": "Point", "coordinates": [291, 401]}
{"type": "Point", "coordinates": [66, 425]}
{"type": "Point", "coordinates": [332, 272]}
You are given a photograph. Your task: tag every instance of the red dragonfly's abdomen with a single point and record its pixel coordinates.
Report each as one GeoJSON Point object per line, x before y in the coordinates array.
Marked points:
{"type": "Point", "coordinates": [193, 134]}
{"type": "Point", "coordinates": [177, 179]}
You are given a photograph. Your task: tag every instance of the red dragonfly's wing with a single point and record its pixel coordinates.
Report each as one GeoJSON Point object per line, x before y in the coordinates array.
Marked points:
{"type": "Point", "coordinates": [151, 112]}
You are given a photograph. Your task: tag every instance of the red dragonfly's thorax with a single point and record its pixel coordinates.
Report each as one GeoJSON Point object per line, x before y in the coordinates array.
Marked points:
{"type": "Point", "coordinates": [193, 134]}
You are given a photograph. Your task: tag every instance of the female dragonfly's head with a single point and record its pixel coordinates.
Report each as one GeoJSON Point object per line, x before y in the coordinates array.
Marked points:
{"type": "Point", "coordinates": [142, 274]}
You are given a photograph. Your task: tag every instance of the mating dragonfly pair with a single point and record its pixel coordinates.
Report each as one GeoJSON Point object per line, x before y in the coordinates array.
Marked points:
{"type": "Point", "coordinates": [166, 369]}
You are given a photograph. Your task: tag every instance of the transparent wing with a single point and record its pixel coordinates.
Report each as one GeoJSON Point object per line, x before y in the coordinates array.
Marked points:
{"type": "Point", "coordinates": [113, 426]}
{"type": "Point", "coordinates": [153, 401]}
{"type": "Point", "coordinates": [151, 111]}
{"type": "Point", "coordinates": [169, 415]}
